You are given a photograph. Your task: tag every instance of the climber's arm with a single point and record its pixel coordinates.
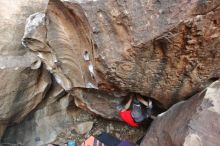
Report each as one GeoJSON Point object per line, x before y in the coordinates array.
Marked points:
{"type": "Point", "coordinates": [128, 104]}
{"type": "Point", "coordinates": [143, 101]}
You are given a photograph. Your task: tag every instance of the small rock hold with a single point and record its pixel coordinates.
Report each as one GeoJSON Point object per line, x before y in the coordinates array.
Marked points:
{"type": "Point", "coordinates": [83, 128]}
{"type": "Point", "coordinates": [193, 41]}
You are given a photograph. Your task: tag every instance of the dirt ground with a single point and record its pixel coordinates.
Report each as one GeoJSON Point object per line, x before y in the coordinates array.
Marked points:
{"type": "Point", "coordinates": [115, 128]}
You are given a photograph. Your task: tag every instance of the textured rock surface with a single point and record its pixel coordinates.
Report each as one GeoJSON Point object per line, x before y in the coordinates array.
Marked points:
{"type": "Point", "coordinates": [194, 122]}
{"type": "Point", "coordinates": [101, 103]}
{"type": "Point", "coordinates": [24, 81]}
{"type": "Point", "coordinates": [111, 45]}
{"type": "Point", "coordinates": [59, 121]}
{"type": "Point", "coordinates": [99, 51]}
{"type": "Point", "coordinates": [43, 126]}
{"type": "Point", "coordinates": [60, 38]}
{"type": "Point", "coordinates": [157, 48]}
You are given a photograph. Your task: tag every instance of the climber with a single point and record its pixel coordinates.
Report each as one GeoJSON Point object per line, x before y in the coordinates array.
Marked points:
{"type": "Point", "coordinates": [137, 114]}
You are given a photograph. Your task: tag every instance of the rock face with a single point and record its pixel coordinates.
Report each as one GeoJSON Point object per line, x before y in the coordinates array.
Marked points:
{"type": "Point", "coordinates": [61, 41]}
{"type": "Point", "coordinates": [60, 120]}
{"type": "Point", "coordinates": [112, 46]}
{"type": "Point", "coordinates": [104, 104]}
{"type": "Point", "coordinates": [24, 81]}
{"type": "Point", "coordinates": [194, 122]}
{"type": "Point", "coordinates": [95, 53]}
{"type": "Point", "coordinates": [157, 48]}
{"type": "Point", "coordinates": [43, 126]}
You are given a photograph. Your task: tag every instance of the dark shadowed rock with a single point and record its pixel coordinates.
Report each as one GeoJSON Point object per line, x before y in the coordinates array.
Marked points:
{"type": "Point", "coordinates": [101, 103]}
{"type": "Point", "coordinates": [194, 122]}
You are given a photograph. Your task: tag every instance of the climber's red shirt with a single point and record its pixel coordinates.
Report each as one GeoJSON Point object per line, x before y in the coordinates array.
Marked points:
{"type": "Point", "coordinates": [126, 116]}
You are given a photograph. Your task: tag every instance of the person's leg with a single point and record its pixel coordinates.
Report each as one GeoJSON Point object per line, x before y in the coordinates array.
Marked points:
{"type": "Point", "coordinates": [139, 98]}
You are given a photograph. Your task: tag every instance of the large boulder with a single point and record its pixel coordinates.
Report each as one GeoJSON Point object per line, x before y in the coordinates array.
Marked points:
{"type": "Point", "coordinates": [165, 49]}
{"type": "Point", "coordinates": [43, 125]}
{"type": "Point", "coordinates": [62, 40]}
{"type": "Point", "coordinates": [156, 48]}
{"type": "Point", "coordinates": [24, 81]}
{"type": "Point", "coordinates": [194, 122]}
{"type": "Point", "coordinates": [57, 40]}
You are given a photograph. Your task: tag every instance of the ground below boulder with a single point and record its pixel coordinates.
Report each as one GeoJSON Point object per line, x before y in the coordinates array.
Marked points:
{"type": "Point", "coordinates": [60, 121]}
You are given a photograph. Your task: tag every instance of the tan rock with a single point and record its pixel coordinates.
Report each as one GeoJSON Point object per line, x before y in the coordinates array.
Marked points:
{"type": "Point", "coordinates": [43, 126]}
{"type": "Point", "coordinates": [61, 42]}
{"type": "Point", "coordinates": [141, 46]}
{"type": "Point", "coordinates": [24, 81]}
{"type": "Point", "coordinates": [189, 123]}
{"type": "Point", "coordinates": [164, 50]}
{"type": "Point", "coordinates": [83, 127]}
